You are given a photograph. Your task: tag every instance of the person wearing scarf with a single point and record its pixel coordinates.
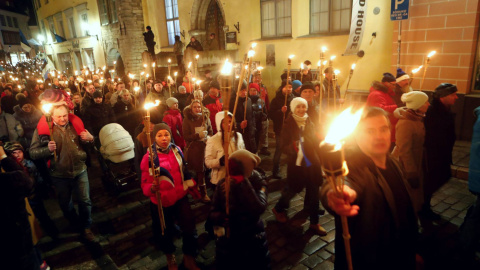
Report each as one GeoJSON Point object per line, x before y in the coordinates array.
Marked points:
{"type": "Point", "coordinates": [175, 183]}
{"type": "Point", "coordinates": [174, 120]}
{"type": "Point", "coordinates": [300, 144]}
{"type": "Point", "coordinates": [410, 135]}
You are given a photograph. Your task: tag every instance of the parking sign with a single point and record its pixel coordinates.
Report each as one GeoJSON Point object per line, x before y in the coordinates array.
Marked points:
{"type": "Point", "coordinates": [399, 10]}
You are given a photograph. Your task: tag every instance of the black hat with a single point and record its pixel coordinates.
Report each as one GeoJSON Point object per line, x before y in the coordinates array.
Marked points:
{"type": "Point", "coordinates": [214, 84]}
{"type": "Point", "coordinates": [444, 89]}
{"type": "Point", "coordinates": [388, 77]}
{"type": "Point", "coordinates": [307, 63]}
{"type": "Point", "coordinates": [21, 99]}
{"type": "Point", "coordinates": [307, 85]}
{"type": "Point", "coordinates": [97, 94]}
{"type": "Point", "coordinates": [161, 126]}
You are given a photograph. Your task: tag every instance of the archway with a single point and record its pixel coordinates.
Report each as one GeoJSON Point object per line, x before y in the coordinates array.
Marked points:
{"type": "Point", "coordinates": [207, 17]}
{"type": "Point", "coordinates": [114, 56]}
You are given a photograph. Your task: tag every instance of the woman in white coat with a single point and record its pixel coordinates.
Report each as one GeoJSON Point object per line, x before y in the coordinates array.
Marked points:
{"type": "Point", "coordinates": [214, 154]}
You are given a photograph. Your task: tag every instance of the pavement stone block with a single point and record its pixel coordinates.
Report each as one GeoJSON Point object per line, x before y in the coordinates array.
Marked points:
{"type": "Point", "coordinates": [300, 267]}
{"type": "Point", "coordinates": [450, 213]}
{"type": "Point", "coordinates": [326, 265]}
{"type": "Point", "coordinates": [331, 248]}
{"type": "Point", "coordinates": [451, 200]}
{"type": "Point", "coordinates": [324, 254]}
{"type": "Point", "coordinates": [329, 225]}
{"type": "Point", "coordinates": [440, 207]}
{"type": "Point", "coordinates": [296, 258]}
{"type": "Point", "coordinates": [330, 237]}
{"type": "Point", "coordinates": [457, 221]}
{"type": "Point", "coordinates": [462, 173]}
{"type": "Point", "coordinates": [460, 206]}
{"type": "Point", "coordinates": [312, 261]}
{"type": "Point", "coordinates": [312, 247]}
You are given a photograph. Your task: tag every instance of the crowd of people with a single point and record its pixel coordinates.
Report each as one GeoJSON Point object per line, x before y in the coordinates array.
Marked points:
{"type": "Point", "coordinates": [393, 169]}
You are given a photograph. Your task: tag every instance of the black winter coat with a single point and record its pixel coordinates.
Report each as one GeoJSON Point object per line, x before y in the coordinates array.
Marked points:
{"type": "Point", "coordinates": [29, 121]}
{"type": "Point", "coordinates": [378, 241]}
{"type": "Point", "coordinates": [127, 116]}
{"type": "Point", "coordinates": [246, 248]}
{"type": "Point", "coordinates": [439, 140]}
{"type": "Point", "coordinates": [248, 133]}
{"type": "Point", "coordinates": [17, 236]}
{"type": "Point", "coordinates": [97, 116]}
{"type": "Point", "coordinates": [275, 111]}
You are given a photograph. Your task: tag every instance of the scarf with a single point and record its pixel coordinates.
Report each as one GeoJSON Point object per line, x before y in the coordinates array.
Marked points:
{"type": "Point", "coordinates": [300, 120]}
{"type": "Point", "coordinates": [178, 156]}
{"type": "Point", "coordinates": [77, 123]}
{"type": "Point", "coordinates": [301, 151]}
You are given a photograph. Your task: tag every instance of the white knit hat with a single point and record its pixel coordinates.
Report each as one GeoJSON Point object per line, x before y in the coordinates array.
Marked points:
{"type": "Point", "coordinates": [219, 118]}
{"type": "Point", "coordinates": [414, 99]}
{"type": "Point", "coordinates": [171, 101]}
{"type": "Point", "coordinates": [297, 101]}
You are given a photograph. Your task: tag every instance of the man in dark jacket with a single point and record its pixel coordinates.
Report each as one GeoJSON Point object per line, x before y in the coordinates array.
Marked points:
{"type": "Point", "coordinates": [98, 114]}
{"type": "Point", "coordinates": [439, 140]}
{"type": "Point", "coordinates": [68, 171]}
{"type": "Point", "coordinates": [278, 112]}
{"type": "Point", "coordinates": [88, 98]}
{"type": "Point", "coordinates": [8, 101]}
{"type": "Point", "coordinates": [149, 40]}
{"type": "Point", "coordinates": [377, 199]}
{"type": "Point", "coordinates": [247, 121]}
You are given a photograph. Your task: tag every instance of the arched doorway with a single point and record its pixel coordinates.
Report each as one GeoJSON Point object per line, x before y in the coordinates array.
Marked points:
{"type": "Point", "coordinates": [114, 56]}
{"type": "Point", "coordinates": [214, 23]}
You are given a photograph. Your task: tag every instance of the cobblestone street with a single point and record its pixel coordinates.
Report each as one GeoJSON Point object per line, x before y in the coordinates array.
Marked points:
{"type": "Point", "coordinates": [123, 226]}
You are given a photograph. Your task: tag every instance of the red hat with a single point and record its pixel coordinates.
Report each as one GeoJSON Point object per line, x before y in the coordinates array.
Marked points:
{"type": "Point", "coordinates": [254, 85]}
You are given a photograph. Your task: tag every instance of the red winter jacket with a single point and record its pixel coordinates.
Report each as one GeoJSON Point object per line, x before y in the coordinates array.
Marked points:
{"type": "Point", "coordinates": [214, 105]}
{"type": "Point", "coordinates": [381, 96]}
{"type": "Point", "coordinates": [174, 120]}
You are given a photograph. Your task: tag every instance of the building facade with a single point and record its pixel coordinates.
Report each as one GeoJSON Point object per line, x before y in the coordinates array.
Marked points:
{"type": "Point", "coordinates": [70, 33]}
{"type": "Point", "coordinates": [13, 21]}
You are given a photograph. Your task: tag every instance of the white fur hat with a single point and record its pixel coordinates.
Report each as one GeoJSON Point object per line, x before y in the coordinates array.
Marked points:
{"type": "Point", "coordinates": [219, 118]}
{"type": "Point", "coordinates": [297, 101]}
{"type": "Point", "coordinates": [414, 99]}
{"type": "Point", "coordinates": [171, 101]}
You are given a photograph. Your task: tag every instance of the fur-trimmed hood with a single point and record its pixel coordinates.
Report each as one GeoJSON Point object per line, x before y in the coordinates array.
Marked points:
{"type": "Point", "coordinates": [376, 85]}
{"type": "Point", "coordinates": [187, 113]}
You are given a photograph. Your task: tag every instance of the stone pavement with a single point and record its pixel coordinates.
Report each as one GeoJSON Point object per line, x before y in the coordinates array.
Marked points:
{"type": "Point", "coordinates": [123, 226]}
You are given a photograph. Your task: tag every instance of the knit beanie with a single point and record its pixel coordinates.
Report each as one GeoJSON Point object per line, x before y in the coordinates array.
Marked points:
{"type": "Point", "coordinates": [296, 84]}
{"type": "Point", "coordinates": [444, 89]}
{"type": "Point", "coordinates": [21, 99]}
{"type": "Point", "coordinates": [215, 84]}
{"type": "Point", "coordinates": [182, 88]}
{"type": "Point", "coordinates": [97, 94]}
{"type": "Point", "coordinates": [297, 101]}
{"type": "Point", "coordinates": [242, 162]}
{"type": "Point", "coordinates": [161, 126]}
{"type": "Point", "coordinates": [254, 85]}
{"type": "Point", "coordinates": [171, 101]}
{"type": "Point", "coordinates": [401, 75]}
{"type": "Point", "coordinates": [12, 146]}
{"type": "Point", "coordinates": [198, 94]}
{"type": "Point", "coordinates": [219, 118]}
{"type": "Point", "coordinates": [307, 85]}
{"type": "Point", "coordinates": [414, 99]}
{"type": "Point", "coordinates": [388, 77]}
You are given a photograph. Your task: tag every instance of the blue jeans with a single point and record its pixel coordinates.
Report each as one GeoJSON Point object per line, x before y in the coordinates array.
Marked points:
{"type": "Point", "coordinates": [80, 188]}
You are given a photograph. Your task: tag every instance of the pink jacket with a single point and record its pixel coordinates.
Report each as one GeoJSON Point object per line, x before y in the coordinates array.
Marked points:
{"type": "Point", "coordinates": [382, 97]}
{"type": "Point", "coordinates": [174, 120]}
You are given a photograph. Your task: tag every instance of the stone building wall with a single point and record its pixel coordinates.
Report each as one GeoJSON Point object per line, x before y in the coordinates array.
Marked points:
{"type": "Point", "coordinates": [125, 37]}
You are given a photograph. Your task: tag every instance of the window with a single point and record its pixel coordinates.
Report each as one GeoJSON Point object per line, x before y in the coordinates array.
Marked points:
{"type": "Point", "coordinates": [276, 18]}
{"type": "Point", "coordinates": [103, 11]}
{"type": "Point", "coordinates": [3, 21]}
{"type": "Point", "coordinates": [9, 21]}
{"type": "Point", "coordinates": [71, 25]}
{"type": "Point", "coordinates": [11, 38]}
{"type": "Point", "coordinates": [84, 23]}
{"type": "Point", "coordinates": [113, 11]}
{"type": "Point", "coordinates": [61, 30]}
{"type": "Point", "coordinates": [173, 24]}
{"type": "Point", "coordinates": [15, 22]}
{"type": "Point", "coordinates": [330, 16]}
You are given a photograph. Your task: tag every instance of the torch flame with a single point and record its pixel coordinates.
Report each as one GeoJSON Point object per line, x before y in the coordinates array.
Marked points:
{"type": "Point", "coordinates": [47, 108]}
{"type": "Point", "coordinates": [169, 60]}
{"type": "Point", "coordinates": [145, 65]}
{"type": "Point", "coordinates": [251, 53]}
{"type": "Point", "coordinates": [227, 68]}
{"type": "Point", "coordinates": [260, 68]}
{"type": "Point", "coordinates": [343, 126]}
{"type": "Point", "coordinates": [324, 49]}
{"type": "Point", "coordinates": [254, 44]}
{"type": "Point", "coordinates": [332, 57]}
{"type": "Point", "coordinates": [197, 56]}
{"type": "Point", "coordinates": [417, 69]}
{"type": "Point", "coordinates": [325, 62]}
{"type": "Point", "coordinates": [336, 71]}
{"type": "Point", "coordinates": [136, 88]}
{"type": "Point", "coordinates": [199, 82]}
{"type": "Point", "coordinates": [432, 53]}
{"type": "Point", "coordinates": [291, 56]}
{"type": "Point", "coordinates": [318, 63]}
{"type": "Point", "coordinates": [153, 64]}
{"type": "Point", "coordinates": [353, 66]}
{"type": "Point", "coordinates": [143, 72]}
{"type": "Point", "coordinates": [175, 74]}
{"type": "Point", "coordinates": [150, 105]}
{"type": "Point", "coordinates": [301, 66]}
{"type": "Point", "coordinates": [189, 64]}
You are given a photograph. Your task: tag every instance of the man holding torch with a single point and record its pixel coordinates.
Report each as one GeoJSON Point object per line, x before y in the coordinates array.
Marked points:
{"type": "Point", "coordinates": [377, 200]}
{"type": "Point", "coordinates": [69, 139]}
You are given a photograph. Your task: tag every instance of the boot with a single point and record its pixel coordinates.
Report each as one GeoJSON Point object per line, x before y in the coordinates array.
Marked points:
{"type": "Point", "coordinates": [171, 262]}
{"type": "Point", "coordinates": [189, 262]}
{"type": "Point", "coordinates": [203, 192]}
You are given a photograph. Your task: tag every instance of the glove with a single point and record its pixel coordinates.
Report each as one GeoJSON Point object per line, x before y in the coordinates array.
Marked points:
{"type": "Point", "coordinates": [203, 134]}
{"type": "Point", "coordinates": [222, 161]}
